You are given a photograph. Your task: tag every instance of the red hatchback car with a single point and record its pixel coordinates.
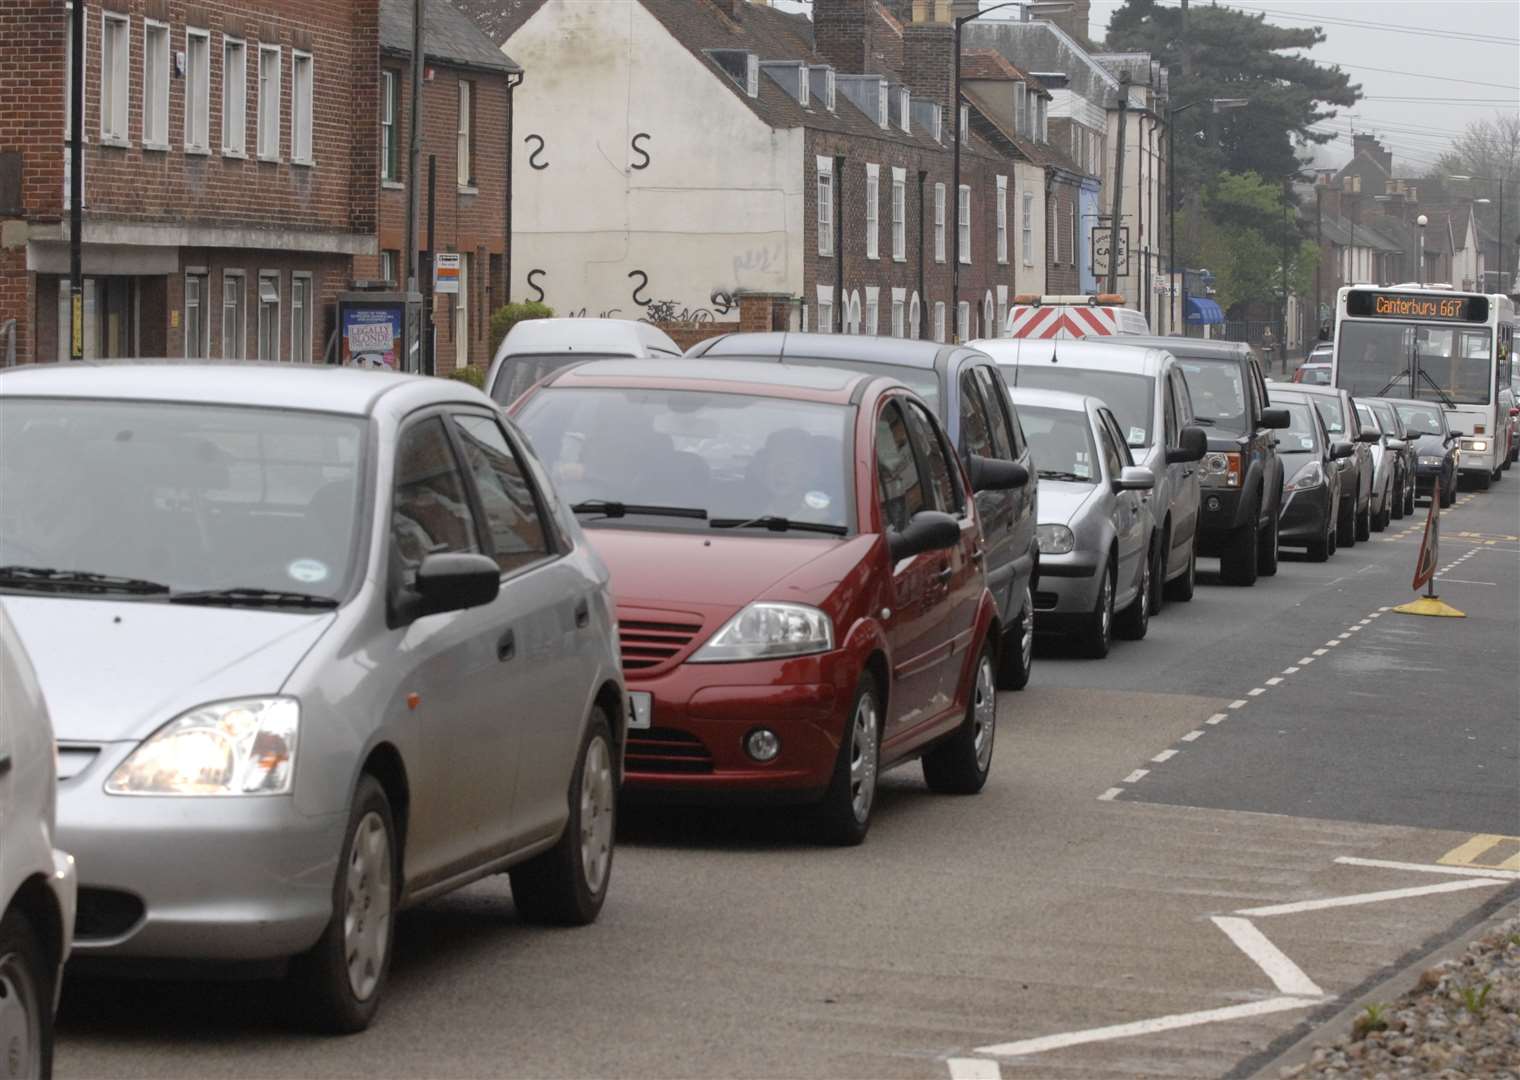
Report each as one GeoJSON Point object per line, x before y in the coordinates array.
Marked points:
{"type": "Point", "coordinates": [798, 571]}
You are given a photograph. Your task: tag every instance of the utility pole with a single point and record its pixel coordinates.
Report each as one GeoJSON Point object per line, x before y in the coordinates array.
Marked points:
{"type": "Point", "coordinates": [1118, 204]}
{"type": "Point", "coordinates": [76, 185]}
{"type": "Point", "coordinates": [1282, 312]}
{"type": "Point", "coordinates": [1319, 248]}
{"type": "Point", "coordinates": [414, 155]}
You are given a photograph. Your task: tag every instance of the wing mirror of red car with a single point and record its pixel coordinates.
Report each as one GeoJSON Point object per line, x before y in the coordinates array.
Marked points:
{"type": "Point", "coordinates": [1191, 446]}
{"type": "Point", "coordinates": [930, 530]}
{"type": "Point", "coordinates": [995, 474]}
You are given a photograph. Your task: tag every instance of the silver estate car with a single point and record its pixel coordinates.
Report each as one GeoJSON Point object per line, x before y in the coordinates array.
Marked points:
{"type": "Point", "coordinates": [1144, 388]}
{"type": "Point", "coordinates": [320, 643]}
{"type": "Point", "coordinates": [1094, 526]}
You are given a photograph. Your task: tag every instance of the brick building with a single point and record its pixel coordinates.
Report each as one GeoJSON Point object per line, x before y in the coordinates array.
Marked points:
{"type": "Point", "coordinates": [232, 163]}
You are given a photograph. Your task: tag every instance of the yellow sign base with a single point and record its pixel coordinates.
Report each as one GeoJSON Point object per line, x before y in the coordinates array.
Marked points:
{"type": "Point", "coordinates": [1430, 605]}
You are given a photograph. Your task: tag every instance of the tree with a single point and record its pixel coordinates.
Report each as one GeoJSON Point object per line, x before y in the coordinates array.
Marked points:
{"type": "Point", "coordinates": [1247, 225]}
{"type": "Point", "coordinates": [1490, 149]}
{"type": "Point", "coordinates": [508, 316]}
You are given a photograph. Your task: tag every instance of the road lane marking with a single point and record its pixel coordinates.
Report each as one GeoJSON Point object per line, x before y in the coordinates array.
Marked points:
{"type": "Point", "coordinates": [1320, 652]}
{"type": "Point", "coordinates": [1111, 794]}
{"type": "Point", "coordinates": [1429, 868]}
{"type": "Point", "coordinates": [1375, 615]}
{"type": "Point", "coordinates": [1256, 691]}
{"type": "Point", "coordinates": [1288, 671]}
{"type": "Point", "coordinates": [974, 1069]}
{"type": "Point", "coordinates": [1306, 659]}
{"type": "Point", "coordinates": [1165, 755]}
{"type": "Point", "coordinates": [1216, 718]}
{"type": "Point", "coordinates": [1137, 776]}
{"type": "Point", "coordinates": [1467, 854]}
{"type": "Point", "coordinates": [1193, 736]}
{"type": "Point", "coordinates": [1284, 973]}
{"type": "Point", "coordinates": [1276, 679]}
{"type": "Point", "coordinates": [1239, 703]}
{"type": "Point", "coordinates": [1147, 1027]}
{"type": "Point", "coordinates": [1344, 636]}
{"type": "Point", "coordinates": [1365, 622]}
{"type": "Point", "coordinates": [1459, 581]}
{"type": "Point", "coordinates": [1299, 906]}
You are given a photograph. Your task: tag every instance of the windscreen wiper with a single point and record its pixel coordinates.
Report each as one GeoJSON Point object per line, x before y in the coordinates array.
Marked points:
{"type": "Point", "coordinates": [776, 523]}
{"type": "Point", "coordinates": [612, 509]}
{"type": "Point", "coordinates": [1387, 386]}
{"type": "Point", "coordinates": [1204, 421]}
{"type": "Point", "coordinates": [1450, 404]}
{"type": "Point", "coordinates": [1055, 474]}
{"type": "Point", "coordinates": [48, 578]}
{"type": "Point", "coordinates": [244, 596]}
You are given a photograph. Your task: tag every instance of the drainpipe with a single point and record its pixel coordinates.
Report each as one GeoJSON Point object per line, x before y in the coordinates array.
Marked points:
{"type": "Point", "coordinates": [513, 82]}
{"type": "Point", "coordinates": [922, 175]}
{"type": "Point", "coordinates": [839, 242]}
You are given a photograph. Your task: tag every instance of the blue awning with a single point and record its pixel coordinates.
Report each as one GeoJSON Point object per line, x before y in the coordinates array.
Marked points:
{"type": "Point", "coordinates": [1201, 310]}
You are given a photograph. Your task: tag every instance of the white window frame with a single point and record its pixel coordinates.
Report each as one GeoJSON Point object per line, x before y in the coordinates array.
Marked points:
{"type": "Point", "coordinates": [464, 163]}
{"type": "Point", "coordinates": [939, 223]}
{"type": "Point", "coordinates": [963, 321]}
{"type": "Point", "coordinates": [752, 75]}
{"type": "Point", "coordinates": [937, 128]}
{"type": "Point", "coordinates": [1071, 220]}
{"type": "Point", "coordinates": [1002, 220]}
{"type": "Point", "coordinates": [905, 106]}
{"type": "Point", "coordinates": [239, 331]}
{"type": "Point", "coordinates": [831, 82]}
{"type": "Point", "coordinates": [987, 316]}
{"type": "Point", "coordinates": [899, 312]}
{"type": "Point", "coordinates": [883, 111]}
{"type": "Point", "coordinates": [1002, 312]}
{"type": "Point", "coordinates": [197, 92]}
{"type": "Point", "coordinates": [915, 316]}
{"type": "Point", "coordinates": [805, 87]}
{"type": "Point", "coordinates": [1043, 119]}
{"type": "Point", "coordinates": [116, 85]}
{"type": "Point", "coordinates": [302, 107]}
{"type": "Point", "coordinates": [1026, 228]}
{"type": "Point", "coordinates": [390, 125]}
{"type": "Point", "coordinates": [825, 206]}
{"type": "Point", "coordinates": [462, 312]}
{"type": "Point", "coordinates": [852, 313]}
{"type": "Point", "coordinates": [965, 121]}
{"type": "Point", "coordinates": [303, 313]}
{"type": "Point", "coordinates": [872, 321]}
{"type": "Point", "coordinates": [155, 89]}
{"type": "Point", "coordinates": [1020, 96]}
{"type": "Point", "coordinates": [272, 353]}
{"type": "Point", "coordinates": [899, 214]}
{"type": "Point", "coordinates": [825, 309]}
{"type": "Point", "coordinates": [202, 305]}
{"type": "Point", "coordinates": [267, 120]}
{"type": "Point", "coordinates": [234, 100]}
{"type": "Point", "coordinates": [939, 321]}
{"type": "Point", "coordinates": [963, 222]}
{"type": "Point", "coordinates": [873, 211]}
{"type": "Point", "coordinates": [388, 268]}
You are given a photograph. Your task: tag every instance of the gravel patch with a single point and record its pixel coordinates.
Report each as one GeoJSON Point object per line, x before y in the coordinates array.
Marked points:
{"type": "Point", "coordinates": [1461, 1020]}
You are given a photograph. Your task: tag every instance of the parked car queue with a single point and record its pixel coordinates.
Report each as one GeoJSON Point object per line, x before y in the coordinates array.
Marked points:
{"type": "Point", "coordinates": [763, 572]}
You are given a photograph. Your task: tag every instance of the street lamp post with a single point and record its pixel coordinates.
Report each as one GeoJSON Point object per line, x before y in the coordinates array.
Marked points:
{"type": "Point", "coordinates": [1218, 105]}
{"type": "Point", "coordinates": [1422, 221]}
{"type": "Point", "coordinates": [1499, 180]}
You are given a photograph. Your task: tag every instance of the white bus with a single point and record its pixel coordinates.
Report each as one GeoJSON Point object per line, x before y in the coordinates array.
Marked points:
{"type": "Point", "coordinates": [1433, 344]}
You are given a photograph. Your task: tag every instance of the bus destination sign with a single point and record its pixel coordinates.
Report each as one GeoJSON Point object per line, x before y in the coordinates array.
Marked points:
{"type": "Point", "coordinates": [1417, 307]}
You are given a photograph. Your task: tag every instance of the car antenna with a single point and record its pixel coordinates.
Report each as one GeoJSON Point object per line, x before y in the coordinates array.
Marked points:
{"type": "Point", "coordinates": [1053, 357]}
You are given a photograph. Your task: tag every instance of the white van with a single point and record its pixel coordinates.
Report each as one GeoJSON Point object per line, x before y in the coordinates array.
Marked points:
{"type": "Point", "coordinates": [1072, 316]}
{"type": "Point", "coordinates": [536, 347]}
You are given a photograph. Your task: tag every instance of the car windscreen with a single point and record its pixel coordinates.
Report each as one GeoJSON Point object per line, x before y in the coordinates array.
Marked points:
{"type": "Point", "coordinates": [1331, 412]}
{"type": "Point", "coordinates": [1422, 419]}
{"type": "Point", "coordinates": [1368, 418]}
{"type": "Point", "coordinates": [1385, 416]}
{"type": "Point", "coordinates": [1060, 440]}
{"type": "Point", "coordinates": [1131, 397]}
{"type": "Point", "coordinates": [734, 456]}
{"type": "Point", "coordinates": [1301, 437]}
{"type": "Point", "coordinates": [1219, 393]}
{"type": "Point", "coordinates": [519, 372]}
{"type": "Point", "coordinates": [190, 496]}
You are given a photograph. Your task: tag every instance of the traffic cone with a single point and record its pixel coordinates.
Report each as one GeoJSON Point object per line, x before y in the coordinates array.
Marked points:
{"type": "Point", "coordinates": [1425, 567]}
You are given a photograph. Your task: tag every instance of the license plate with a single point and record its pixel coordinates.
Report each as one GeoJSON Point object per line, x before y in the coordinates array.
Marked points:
{"type": "Point", "coordinates": [641, 708]}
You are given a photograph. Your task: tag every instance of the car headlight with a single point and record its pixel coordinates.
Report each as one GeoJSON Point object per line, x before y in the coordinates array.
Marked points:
{"type": "Point", "coordinates": [245, 747]}
{"type": "Point", "coordinates": [1220, 470]}
{"type": "Point", "coordinates": [1309, 477]}
{"type": "Point", "coordinates": [1429, 459]}
{"type": "Point", "coordinates": [766, 631]}
{"type": "Point", "coordinates": [1054, 539]}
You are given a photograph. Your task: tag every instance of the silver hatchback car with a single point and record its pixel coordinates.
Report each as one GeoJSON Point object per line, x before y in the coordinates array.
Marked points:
{"type": "Point", "coordinates": [320, 643]}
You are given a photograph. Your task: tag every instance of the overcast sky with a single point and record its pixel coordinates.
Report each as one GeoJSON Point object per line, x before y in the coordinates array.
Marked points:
{"type": "Point", "coordinates": [1411, 41]}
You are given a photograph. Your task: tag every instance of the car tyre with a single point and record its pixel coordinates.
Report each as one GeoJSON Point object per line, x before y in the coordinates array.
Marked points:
{"type": "Point", "coordinates": [1135, 620]}
{"type": "Point", "coordinates": [1345, 529]}
{"type": "Point", "coordinates": [1097, 636]}
{"type": "Point", "coordinates": [1364, 521]}
{"type": "Point", "coordinates": [1269, 551]}
{"type": "Point", "coordinates": [1322, 547]}
{"type": "Point", "coordinates": [1409, 501]}
{"type": "Point", "coordinates": [959, 765]}
{"type": "Point", "coordinates": [1238, 565]}
{"type": "Point", "coordinates": [1016, 657]}
{"type": "Point", "coordinates": [26, 1000]}
{"type": "Point", "coordinates": [344, 974]}
{"type": "Point", "coordinates": [1396, 497]}
{"type": "Point", "coordinates": [1182, 588]}
{"type": "Point", "coordinates": [567, 885]}
{"type": "Point", "coordinates": [1447, 492]}
{"type": "Point", "coordinates": [1158, 572]}
{"type": "Point", "coordinates": [844, 816]}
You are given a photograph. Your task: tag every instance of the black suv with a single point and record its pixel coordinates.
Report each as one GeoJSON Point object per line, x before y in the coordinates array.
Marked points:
{"type": "Point", "coordinates": [1241, 475]}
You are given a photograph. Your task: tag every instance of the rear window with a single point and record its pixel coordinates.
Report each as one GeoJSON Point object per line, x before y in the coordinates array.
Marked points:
{"type": "Point", "coordinates": [519, 373]}
{"type": "Point", "coordinates": [1132, 398]}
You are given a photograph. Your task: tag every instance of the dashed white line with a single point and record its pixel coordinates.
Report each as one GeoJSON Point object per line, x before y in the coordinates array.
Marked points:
{"type": "Point", "coordinates": [1256, 691]}
{"type": "Point", "coordinates": [1216, 718]}
{"type": "Point", "coordinates": [1344, 636]}
{"type": "Point", "coordinates": [1276, 679]}
{"type": "Point", "coordinates": [1193, 736]}
{"type": "Point", "coordinates": [1288, 671]}
{"type": "Point", "coordinates": [1366, 898]}
{"type": "Point", "coordinates": [974, 1069]}
{"type": "Point", "coordinates": [1287, 976]}
{"type": "Point", "coordinates": [1319, 652]}
{"type": "Point", "coordinates": [1165, 755]}
{"type": "Point", "coordinates": [1136, 776]}
{"type": "Point", "coordinates": [1111, 794]}
{"type": "Point", "coordinates": [1365, 622]}
{"type": "Point", "coordinates": [1306, 659]}
{"type": "Point", "coordinates": [1238, 703]}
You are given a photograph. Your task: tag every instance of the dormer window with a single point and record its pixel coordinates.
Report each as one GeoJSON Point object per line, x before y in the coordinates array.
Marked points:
{"type": "Point", "coordinates": [830, 87]}
{"type": "Point", "coordinates": [939, 124]}
{"type": "Point", "coordinates": [752, 75]}
{"type": "Point", "coordinates": [965, 120]}
{"type": "Point", "coordinates": [905, 100]}
{"type": "Point", "coordinates": [804, 88]}
{"type": "Point", "coordinates": [882, 119]}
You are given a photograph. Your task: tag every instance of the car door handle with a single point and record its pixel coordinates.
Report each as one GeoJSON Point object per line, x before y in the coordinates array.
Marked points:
{"type": "Point", "coordinates": [945, 575]}
{"type": "Point", "coordinates": [978, 554]}
{"type": "Point", "coordinates": [506, 647]}
{"type": "Point", "coordinates": [582, 614]}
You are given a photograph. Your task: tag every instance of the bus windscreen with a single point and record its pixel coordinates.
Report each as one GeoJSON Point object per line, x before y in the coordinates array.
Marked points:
{"type": "Point", "coordinates": [1446, 362]}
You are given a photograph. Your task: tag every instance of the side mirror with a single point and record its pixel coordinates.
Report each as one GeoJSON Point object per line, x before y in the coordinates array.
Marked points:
{"type": "Point", "coordinates": [1341, 450]}
{"type": "Point", "coordinates": [1370, 437]}
{"type": "Point", "coordinates": [1192, 444]}
{"type": "Point", "coordinates": [1275, 418]}
{"type": "Point", "coordinates": [451, 582]}
{"type": "Point", "coordinates": [1452, 436]}
{"type": "Point", "coordinates": [1395, 443]}
{"type": "Point", "coordinates": [1135, 478]}
{"type": "Point", "coordinates": [995, 474]}
{"type": "Point", "coordinates": [930, 530]}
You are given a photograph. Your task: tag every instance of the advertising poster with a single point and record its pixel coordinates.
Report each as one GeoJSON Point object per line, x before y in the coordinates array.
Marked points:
{"type": "Point", "coordinates": [373, 336]}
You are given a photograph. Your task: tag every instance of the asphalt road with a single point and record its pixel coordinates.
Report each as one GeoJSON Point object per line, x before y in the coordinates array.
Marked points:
{"type": "Point", "coordinates": [1077, 892]}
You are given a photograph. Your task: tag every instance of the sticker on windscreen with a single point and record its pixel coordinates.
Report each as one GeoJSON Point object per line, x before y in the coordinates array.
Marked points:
{"type": "Point", "coordinates": [1137, 436]}
{"type": "Point", "coordinates": [307, 571]}
{"type": "Point", "coordinates": [817, 500]}
{"type": "Point", "coordinates": [1082, 469]}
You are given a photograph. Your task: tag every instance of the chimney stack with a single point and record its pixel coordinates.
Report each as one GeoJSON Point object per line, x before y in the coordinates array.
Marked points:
{"type": "Point", "coordinates": [1075, 21]}
{"type": "Point", "coordinates": [929, 56]}
{"type": "Point", "coordinates": [842, 33]}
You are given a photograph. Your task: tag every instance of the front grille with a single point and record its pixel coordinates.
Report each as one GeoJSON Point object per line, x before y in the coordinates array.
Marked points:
{"type": "Point", "coordinates": [666, 750]}
{"type": "Point", "coordinates": [106, 913]}
{"type": "Point", "coordinates": [650, 644]}
{"type": "Point", "coordinates": [1045, 601]}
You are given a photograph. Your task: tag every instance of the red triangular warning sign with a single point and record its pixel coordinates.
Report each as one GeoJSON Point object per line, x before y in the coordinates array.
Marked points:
{"type": "Point", "coordinates": [1430, 543]}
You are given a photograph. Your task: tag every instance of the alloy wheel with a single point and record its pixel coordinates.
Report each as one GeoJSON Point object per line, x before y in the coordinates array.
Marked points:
{"type": "Point", "coordinates": [597, 801]}
{"type": "Point", "coordinates": [864, 733]}
{"type": "Point", "coordinates": [984, 712]}
{"type": "Point", "coordinates": [1026, 634]}
{"type": "Point", "coordinates": [1106, 606]}
{"type": "Point", "coordinates": [20, 1020]}
{"type": "Point", "coordinates": [367, 909]}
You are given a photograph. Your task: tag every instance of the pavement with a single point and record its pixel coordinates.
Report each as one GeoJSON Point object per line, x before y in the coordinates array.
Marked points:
{"type": "Point", "coordinates": [1184, 853]}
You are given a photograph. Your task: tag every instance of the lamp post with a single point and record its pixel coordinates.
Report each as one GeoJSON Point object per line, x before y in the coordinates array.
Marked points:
{"type": "Point", "coordinates": [955, 107]}
{"type": "Point", "coordinates": [1422, 221]}
{"type": "Point", "coordinates": [1499, 180]}
{"type": "Point", "coordinates": [1218, 105]}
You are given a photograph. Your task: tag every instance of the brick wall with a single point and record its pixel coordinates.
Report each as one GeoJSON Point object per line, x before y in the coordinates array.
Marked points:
{"type": "Point", "coordinates": [1061, 276]}
{"type": "Point", "coordinates": [842, 32]}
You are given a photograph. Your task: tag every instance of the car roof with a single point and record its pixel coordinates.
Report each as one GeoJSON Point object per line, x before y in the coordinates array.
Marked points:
{"type": "Point", "coordinates": [1084, 354]}
{"type": "Point", "coordinates": [759, 378]}
{"type": "Point", "coordinates": [1191, 347]}
{"type": "Point", "coordinates": [307, 387]}
{"type": "Point", "coordinates": [617, 336]}
{"type": "Point", "coordinates": [1061, 400]}
{"type": "Point", "coordinates": [853, 347]}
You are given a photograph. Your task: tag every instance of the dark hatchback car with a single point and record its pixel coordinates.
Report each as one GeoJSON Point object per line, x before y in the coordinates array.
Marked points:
{"type": "Point", "coordinates": [1435, 447]}
{"type": "Point", "coordinates": [970, 398]}
{"type": "Point", "coordinates": [1338, 409]}
{"type": "Point", "coordinates": [1311, 482]}
{"type": "Point", "coordinates": [1241, 475]}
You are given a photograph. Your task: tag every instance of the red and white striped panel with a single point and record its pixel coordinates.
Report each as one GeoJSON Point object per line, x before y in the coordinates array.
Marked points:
{"type": "Point", "coordinates": [1061, 322]}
